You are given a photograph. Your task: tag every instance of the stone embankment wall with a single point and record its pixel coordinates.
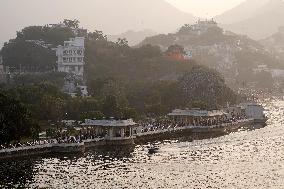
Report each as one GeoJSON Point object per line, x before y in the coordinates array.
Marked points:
{"type": "Point", "coordinates": [41, 149]}
{"type": "Point", "coordinates": [189, 133]}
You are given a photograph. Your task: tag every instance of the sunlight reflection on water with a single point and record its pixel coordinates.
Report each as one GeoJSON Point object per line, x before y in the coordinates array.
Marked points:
{"type": "Point", "coordinates": [246, 159]}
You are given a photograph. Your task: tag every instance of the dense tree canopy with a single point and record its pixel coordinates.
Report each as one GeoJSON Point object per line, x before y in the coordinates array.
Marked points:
{"type": "Point", "coordinates": [205, 85]}
{"type": "Point", "coordinates": [32, 49]}
{"type": "Point", "coordinates": [44, 100]}
{"type": "Point", "coordinates": [27, 56]}
{"type": "Point", "coordinates": [50, 35]}
{"type": "Point", "coordinates": [123, 82]}
{"type": "Point", "coordinates": [15, 120]}
{"type": "Point", "coordinates": [54, 78]}
{"type": "Point", "coordinates": [71, 23]}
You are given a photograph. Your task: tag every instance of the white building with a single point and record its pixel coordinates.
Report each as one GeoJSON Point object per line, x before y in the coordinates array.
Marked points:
{"type": "Point", "coordinates": [117, 131]}
{"type": "Point", "coordinates": [254, 111]}
{"type": "Point", "coordinates": [277, 73]}
{"type": "Point", "coordinates": [83, 91]}
{"type": "Point", "coordinates": [2, 71]}
{"type": "Point", "coordinates": [196, 116]}
{"type": "Point", "coordinates": [71, 56]}
{"type": "Point", "coordinates": [261, 68]}
{"type": "Point", "coordinates": [202, 26]}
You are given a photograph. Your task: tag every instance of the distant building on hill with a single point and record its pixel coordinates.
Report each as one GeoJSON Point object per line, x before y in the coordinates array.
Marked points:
{"type": "Point", "coordinates": [71, 56]}
{"type": "Point", "coordinates": [177, 52]}
{"type": "Point", "coordinates": [199, 28]}
{"type": "Point", "coordinates": [74, 86]}
{"type": "Point", "coordinates": [60, 25]}
{"type": "Point", "coordinates": [202, 26]}
{"type": "Point", "coordinates": [206, 23]}
{"type": "Point", "coordinates": [277, 73]}
{"type": "Point", "coordinates": [261, 68]}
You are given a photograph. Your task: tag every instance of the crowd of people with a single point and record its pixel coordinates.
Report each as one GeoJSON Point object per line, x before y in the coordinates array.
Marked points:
{"type": "Point", "coordinates": [27, 144]}
{"type": "Point", "coordinates": [60, 137]}
{"type": "Point", "coordinates": [144, 126]}
{"type": "Point", "coordinates": [34, 143]}
{"type": "Point", "coordinates": [168, 124]}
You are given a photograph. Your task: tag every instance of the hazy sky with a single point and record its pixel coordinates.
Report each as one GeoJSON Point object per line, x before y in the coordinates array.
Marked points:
{"type": "Point", "coordinates": [205, 8]}
{"type": "Point", "coordinates": [110, 16]}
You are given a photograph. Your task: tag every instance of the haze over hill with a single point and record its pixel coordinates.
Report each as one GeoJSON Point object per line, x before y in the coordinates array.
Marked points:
{"type": "Point", "coordinates": [133, 37]}
{"type": "Point", "coordinates": [235, 56]}
{"type": "Point", "coordinates": [241, 12]}
{"type": "Point", "coordinates": [112, 17]}
{"type": "Point", "coordinates": [275, 43]}
{"type": "Point", "coordinates": [256, 18]}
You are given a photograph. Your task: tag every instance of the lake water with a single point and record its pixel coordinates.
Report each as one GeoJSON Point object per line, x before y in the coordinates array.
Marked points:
{"type": "Point", "coordinates": [246, 159]}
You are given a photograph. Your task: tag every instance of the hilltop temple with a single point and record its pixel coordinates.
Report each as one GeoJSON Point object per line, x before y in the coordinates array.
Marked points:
{"type": "Point", "coordinates": [200, 27]}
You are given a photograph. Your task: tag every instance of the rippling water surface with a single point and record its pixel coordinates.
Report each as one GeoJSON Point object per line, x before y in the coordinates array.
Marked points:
{"type": "Point", "coordinates": [246, 159]}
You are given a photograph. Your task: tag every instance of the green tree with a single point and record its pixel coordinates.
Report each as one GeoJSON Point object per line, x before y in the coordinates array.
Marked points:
{"type": "Point", "coordinates": [91, 115]}
{"type": "Point", "coordinates": [128, 113]}
{"type": "Point", "coordinates": [207, 86]}
{"type": "Point", "coordinates": [199, 104]}
{"type": "Point", "coordinates": [264, 80]}
{"type": "Point", "coordinates": [27, 56]}
{"type": "Point", "coordinates": [111, 108]}
{"type": "Point", "coordinates": [52, 108]}
{"type": "Point", "coordinates": [97, 36]}
{"type": "Point", "coordinates": [71, 23]}
{"type": "Point", "coordinates": [122, 42]}
{"type": "Point", "coordinates": [15, 120]}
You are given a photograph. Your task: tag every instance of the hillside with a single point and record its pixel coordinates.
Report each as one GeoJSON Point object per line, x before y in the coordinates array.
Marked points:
{"type": "Point", "coordinates": [235, 56]}
{"type": "Point", "coordinates": [133, 37]}
{"type": "Point", "coordinates": [243, 11]}
{"type": "Point", "coordinates": [112, 17]}
{"type": "Point", "coordinates": [275, 43]}
{"type": "Point", "coordinates": [257, 19]}
{"type": "Point", "coordinates": [121, 80]}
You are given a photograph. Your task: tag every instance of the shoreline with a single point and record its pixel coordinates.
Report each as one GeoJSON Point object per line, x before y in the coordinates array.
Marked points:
{"type": "Point", "coordinates": [189, 132]}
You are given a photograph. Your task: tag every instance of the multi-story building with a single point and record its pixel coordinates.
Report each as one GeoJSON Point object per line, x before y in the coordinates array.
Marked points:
{"type": "Point", "coordinates": [71, 56]}
{"type": "Point", "coordinates": [201, 27]}
{"type": "Point", "coordinates": [2, 71]}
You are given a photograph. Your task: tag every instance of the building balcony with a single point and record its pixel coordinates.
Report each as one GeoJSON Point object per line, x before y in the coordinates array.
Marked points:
{"type": "Point", "coordinates": [71, 64]}
{"type": "Point", "coordinates": [73, 55]}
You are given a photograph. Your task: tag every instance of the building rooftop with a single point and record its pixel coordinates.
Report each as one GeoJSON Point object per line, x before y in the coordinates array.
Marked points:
{"type": "Point", "coordinates": [197, 113]}
{"type": "Point", "coordinates": [106, 123]}
{"type": "Point", "coordinates": [75, 42]}
{"type": "Point", "coordinates": [255, 104]}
